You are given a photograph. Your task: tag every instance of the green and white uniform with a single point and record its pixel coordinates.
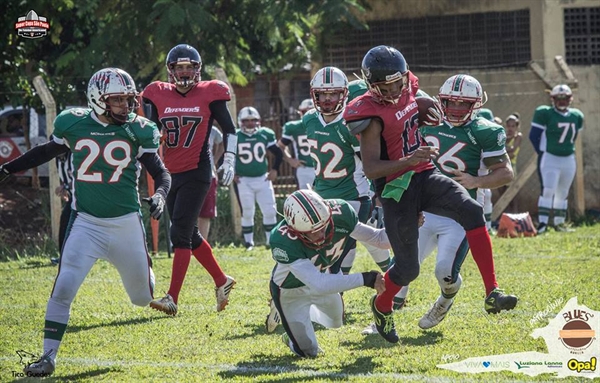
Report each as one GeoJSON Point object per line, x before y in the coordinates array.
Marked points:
{"type": "Point", "coordinates": [295, 132]}
{"type": "Point", "coordinates": [557, 164]}
{"type": "Point", "coordinates": [106, 223]}
{"type": "Point", "coordinates": [463, 148]}
{"type": "Point", "coordinates": [253, 187]}
{"type": "Point", "coordinates": [302, 286]}
{"type": "Point", "coordinates": [339, 174]}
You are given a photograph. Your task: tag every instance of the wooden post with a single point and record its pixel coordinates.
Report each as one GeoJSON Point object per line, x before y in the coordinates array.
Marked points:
{"type": "Point", "coordinates": [236, 214]}
{"type": "Point", "coordinates": [579, 184]}
{"type": "Point", "coordinates": [50, 105]}
{"type": "Point", "coordinates": [514, 188]}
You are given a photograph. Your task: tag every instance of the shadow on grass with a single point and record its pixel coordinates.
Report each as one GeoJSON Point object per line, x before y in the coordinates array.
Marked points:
{"type": "Point", "coordinates": [375, 341]}
{"type": "Point", "coordinates": [127, 322]}
{"type": "Point", "coordinates": [257, 329]}
{"type": "Point", "coordinates": [37, 264]}
{"type": "Point", "coordinates": [269, 366]}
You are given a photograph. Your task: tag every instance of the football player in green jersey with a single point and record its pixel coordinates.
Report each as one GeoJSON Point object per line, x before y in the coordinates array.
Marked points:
{"type": "Point", "coordinates": [253, 179]}
{"type": "Point", "coordinates": [554, 130]}
{"type": "Point", "coordinates": [108, 144]}
{"type": "Point", "coordinates": [294, 133]}
{"type": "Point", "coordinates": [471, 151]}
{"type": "Point", "coordinates": [305, 246]}
{"type": "Point", "coordinates": [336, 152]}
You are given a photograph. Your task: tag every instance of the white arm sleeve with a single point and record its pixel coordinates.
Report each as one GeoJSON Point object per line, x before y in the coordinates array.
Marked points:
{"type": "Point", "coordinates": [324, 283]}
{"type": "Point", "coordinates": [374, 237]}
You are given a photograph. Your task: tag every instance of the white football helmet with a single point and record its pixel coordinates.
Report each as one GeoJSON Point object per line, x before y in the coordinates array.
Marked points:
{"type": "Point", "coordinates": [466, 89]}
{"type": "Point", "coordinates": [306, 212]}
{"type": "Point", "coordinates": [249, 120]}
{"type": "Point", "coordinates": [112, 82]}
{"type": "Point", "coordinates": [305, 106]}
{"type": "Point", "coordinates": [329, 80]}
{"type": "Point", "coordinates": [561, 96]}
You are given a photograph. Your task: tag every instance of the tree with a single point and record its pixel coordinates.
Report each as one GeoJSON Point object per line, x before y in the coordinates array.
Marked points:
{"type": "Point", "coordinates": [245, 37]}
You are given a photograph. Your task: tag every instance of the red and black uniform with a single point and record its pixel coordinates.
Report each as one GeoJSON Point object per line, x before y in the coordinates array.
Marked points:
{"type": "Point", "coordinates": [428, 189]}
{"type": "Point", "coordinates": [186, 121]}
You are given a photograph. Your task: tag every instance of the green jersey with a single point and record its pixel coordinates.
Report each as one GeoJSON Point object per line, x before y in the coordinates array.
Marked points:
{"type": "Point", "coordinates": [339, 171]}
{"type": "Point", "coordinates": [288, 248]}
{"type": "Point", "coordinates": [560, 129]}
{"type": "Point", "coordinates": [296, 133]}
{"type": "Point", "coordinates": [252, 152]}
{"type": "Point", "coordinates": [465, 147]}
{"type": "Point", "coordinates": [105, 160]}
{"type": "Point", "coordinates": [486, 113]}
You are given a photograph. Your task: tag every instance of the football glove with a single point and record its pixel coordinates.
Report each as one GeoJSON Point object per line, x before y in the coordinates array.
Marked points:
{"type": "Point", "coordinates": [434, 116]}
{"type": "Point", "coordinates": [4, 174]}
{"type": "Point", "coordinates": [227, 169]}
{"type": "Point", "coordinates": [157, 205]}
{"type": "Point", "coordinates": [369, 278]}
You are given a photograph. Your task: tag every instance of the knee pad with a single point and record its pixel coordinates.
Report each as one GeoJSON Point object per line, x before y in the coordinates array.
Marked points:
{"type": "Point", "coordinates": [403, 275]}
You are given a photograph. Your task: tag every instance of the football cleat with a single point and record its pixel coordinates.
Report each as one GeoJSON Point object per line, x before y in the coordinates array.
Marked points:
{"type": "Point", "coordinates": [498, 301]}
{"type": "Point", "coordinates": [273, 318]}
{"type": "Point", "coordinates": [42, 367]}
{"type": "Point", "coordinates": [435, 315]}
{"type": "Point", "coordinates": [384, 323]}
{"type": "Point", "coordinates": [542, 227]}
{"type": "Point", "coordinates": [249, 246]}
{"type": "Point", "coordinates": [165, 304]}
{"type": "Point", "coordinates": [222, 293]}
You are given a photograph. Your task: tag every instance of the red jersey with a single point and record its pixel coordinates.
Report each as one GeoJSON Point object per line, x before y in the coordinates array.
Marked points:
{"type": "Point", "coordinates": [400, 127]}
{"type": "Point", "coordinates": [186, 120]}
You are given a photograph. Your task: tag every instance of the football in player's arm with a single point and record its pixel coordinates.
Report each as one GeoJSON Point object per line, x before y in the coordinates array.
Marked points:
{"type": "Point", "coordinates": [305, 245]}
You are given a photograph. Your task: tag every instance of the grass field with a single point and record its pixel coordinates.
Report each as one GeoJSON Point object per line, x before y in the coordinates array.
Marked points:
{"type": "Point", "coordinates": [109, 339]}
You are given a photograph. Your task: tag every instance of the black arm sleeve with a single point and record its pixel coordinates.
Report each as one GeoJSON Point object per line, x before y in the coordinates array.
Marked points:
{"type": "Point", "coordinates": [160, 174]}
{"type": "Point", "coordinates": [220, 112]}
{"type": "Point", "coordinates": [285, 141]}
{"type": "Point", "coordinates": [276, 150]}
{"type": "Point", "coordinates": [36, 156]}
{"type": "Point", "coordinates": [151, 112]}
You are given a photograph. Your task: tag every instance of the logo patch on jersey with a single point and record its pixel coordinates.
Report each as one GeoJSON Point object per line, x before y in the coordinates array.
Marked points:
{"type": "Point", "coordinates": [501, 138]}
{"type": "Point", "coordinates": [195, 109]}
{"type": "Point", "coordinates": [280, 255]}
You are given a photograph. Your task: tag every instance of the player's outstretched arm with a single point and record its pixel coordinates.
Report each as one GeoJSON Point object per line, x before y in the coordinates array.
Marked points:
{"type": "Point", "coordinates": [32, 158]}
{"type": "Point", "coordinates": [374, 237]}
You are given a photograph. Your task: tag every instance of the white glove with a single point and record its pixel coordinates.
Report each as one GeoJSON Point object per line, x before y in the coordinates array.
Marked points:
{"type": "Point", "coordinates": [227, 168]}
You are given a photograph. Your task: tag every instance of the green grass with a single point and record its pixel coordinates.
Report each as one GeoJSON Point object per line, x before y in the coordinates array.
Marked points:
{"type": "Point", "coordinates": [110, 339]}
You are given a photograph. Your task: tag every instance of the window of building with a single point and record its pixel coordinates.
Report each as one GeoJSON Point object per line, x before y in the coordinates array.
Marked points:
{"type": "Point", "coordinates": [479, 40]}
{"type": "Point", "coordinates": [582, 35]}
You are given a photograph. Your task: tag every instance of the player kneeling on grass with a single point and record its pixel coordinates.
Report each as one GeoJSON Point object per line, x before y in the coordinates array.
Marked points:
{"type": "Point", "coordinates": [305, 246]}
{"type": "Point", "coordinates": [109, 143]}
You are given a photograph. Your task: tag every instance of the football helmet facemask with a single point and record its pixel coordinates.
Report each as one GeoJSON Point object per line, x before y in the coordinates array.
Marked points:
{"type": "Point", "coordinates": [249, 120]}
{"type": "Point", "coordinates": [109, 82]}
{"type": "Point", "coordinates": [184, 54]}
{"type": "Point", "coordinates": [562, 97]}
{"type": "Point", "coordinates": [307, 213]}
{"type": "Point", "coordinates": [384, 65]}
{"type": "Point", "coordinates": [329, 81]}
{"type": "Point", "coordinates": [464, 89]}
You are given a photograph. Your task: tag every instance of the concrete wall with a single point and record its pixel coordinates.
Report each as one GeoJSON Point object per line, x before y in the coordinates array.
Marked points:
{"type": "Point", "coordinates": [521, 90]}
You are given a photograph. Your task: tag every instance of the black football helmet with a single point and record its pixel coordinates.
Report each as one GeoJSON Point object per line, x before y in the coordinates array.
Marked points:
{"type": "Point", "coordinates": [179, 54]}
{"type": "Point", "coordinates": [385, 65]}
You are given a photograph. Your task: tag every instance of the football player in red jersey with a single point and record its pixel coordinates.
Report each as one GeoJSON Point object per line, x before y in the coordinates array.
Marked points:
{"type": "Point", "coordinates": [184, 108]}
{"type": "Point", "coordinates": [397, 158]}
